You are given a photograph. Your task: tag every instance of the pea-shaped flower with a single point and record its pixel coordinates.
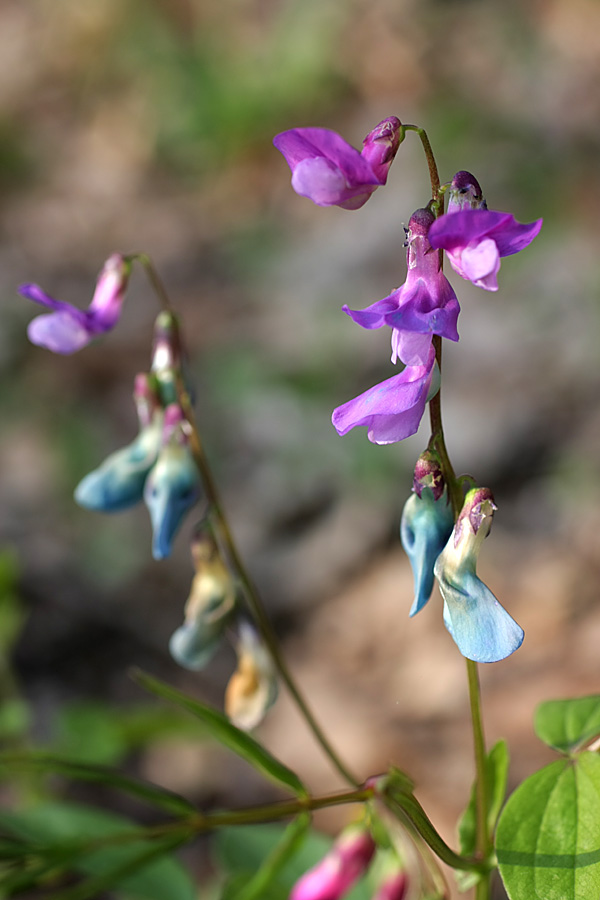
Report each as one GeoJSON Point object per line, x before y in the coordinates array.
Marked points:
{"type": "Point", "coordinates": [252, 689]}
{"type": "Point", "coordinates": [119, 482]}
{"type": "Point", "coordinates": [426, 525]}
{"type": "Point", "coordinates": [208, 609]}
{"type": "Point", "coordinates": [474, 237]}
{"type": "Point", "coordinates": [340, 868]}
{"type": "Point", "coordinates": [173, 484]}
{"type": "Point", "coordinates": [480, 626]}
{"type": "Point", "coordinates": [67, 328]}
{"type": "Point", "coordinates": [330, 172]}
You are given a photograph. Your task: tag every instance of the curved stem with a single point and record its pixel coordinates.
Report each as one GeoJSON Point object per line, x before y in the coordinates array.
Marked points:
{"type": "Point", "coordinates": [433, 170]}
{"type": "Point", "coordinates": [155, 280]}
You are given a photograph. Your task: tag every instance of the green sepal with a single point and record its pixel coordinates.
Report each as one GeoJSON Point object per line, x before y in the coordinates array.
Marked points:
{"type": "Point", "coordinates": [221, 729]}
{"type": "Point", "coordinates": [548, 836]}
{"type": "Point", "coordinates": [567, 724]}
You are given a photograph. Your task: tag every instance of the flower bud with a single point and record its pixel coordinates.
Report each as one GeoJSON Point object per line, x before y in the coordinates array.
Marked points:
{"type": "Point", "coordinates": [465, 193]}
{"type": "Point", "coordinates": [208, 609]}
{"type": "Point", "coordinates": [381, 145]}
{"type": "Point", "coordinates": [339, 869]}
{"type": "Point", "coordinates": [393, 887]}
{"type": "Point", "coordinates": [426, 525]}
{"type": "Point", "coordinates": [167, 356]}
{"type": "Point", "coordinates": [173, 485]}
{"type": "Point", "coordinates": [480, 626]}
{"type": "Point", "coordinates": [119, 482]}
{"type": "Point", "coordinates": [252, 688]}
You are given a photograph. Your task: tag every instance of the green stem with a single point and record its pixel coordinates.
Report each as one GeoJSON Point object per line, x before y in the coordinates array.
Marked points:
{"type": "Point", "coordinates": [481, 792]}
{"type": "Point", "coordinates": [433, 170]}
{"type": "Point", "coordinates": [155, 280]}
{"type": "Point", "coordinates": [250, 591]}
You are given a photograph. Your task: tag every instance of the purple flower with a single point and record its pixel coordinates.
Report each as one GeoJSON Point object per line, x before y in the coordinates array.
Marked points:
{"type": "Point", "coordinates": [474, 237]}
{"type": "Point", "coordinates": [423, 306]}
{"type": "Point", "coordinates": [393, 409]}
{"type": "Point", "coordinates": [327, 170]}
{"type": "Point", "coordinates": [333, 877]}
{"type": "Point", "coordinates": [68, 328]}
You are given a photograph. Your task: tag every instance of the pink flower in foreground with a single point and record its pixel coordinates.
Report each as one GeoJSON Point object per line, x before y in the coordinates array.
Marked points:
{"type": "Point", "coordinates": [67, 328]}
{"type": "Point", "coordinates": [330, 172]}
{"type": "Point", "coordinates": [475, 238]}
{"type": "Point", "coordinates": [339, 869]}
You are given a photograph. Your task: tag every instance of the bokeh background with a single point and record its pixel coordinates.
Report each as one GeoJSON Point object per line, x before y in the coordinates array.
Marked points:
{"type": "Point", "coordinates": [147, 126]}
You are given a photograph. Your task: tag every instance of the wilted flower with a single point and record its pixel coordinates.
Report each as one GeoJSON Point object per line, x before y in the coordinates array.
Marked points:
{"type": "Point", "coordinates": [426, 525]}
{"type": "Point", "coordinates": [173, 484]}
{"type": "Point", "coordinates": [339, 869]}
{"type": "Point", "coordinates": [423, 306]}
{"type": "Point", "coordinates": [391, 410]}
{"type": "Point", "coordinates": [474, 237]}
{"type": "Point", "coordinates": [252, 688]}
{"type": "Point", "coordinates": [68, 328]}
{"type": "Point", "coordinates": [330, 172]}
{"type": "Point", "coordinates": [119, 482]}
{"type": "Point", "coordinates": [209, 606]}
{"type": "Point", "coordinates": [480, 626]}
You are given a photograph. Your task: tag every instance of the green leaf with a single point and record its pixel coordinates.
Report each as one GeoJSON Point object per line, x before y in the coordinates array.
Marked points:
{"type": "Point", "coordinates": [496, 774]}
{"type": "Point", "coordinates": [227, 734]}
{"type": "Point", "coordinates": [566, 724]}
{"type": "Point", "coordinates": [548, 837]}
{"type": "Point", "coordinates": [65, 834]}
{"type": "Point", "coordinates": [258, 885]}
{"type": "Point", "coordinates": [41, 762]}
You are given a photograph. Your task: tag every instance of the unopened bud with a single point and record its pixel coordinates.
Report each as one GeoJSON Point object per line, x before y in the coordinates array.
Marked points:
{"type": "Point", "coordinates": [252, 688]}
{"type": "Point", "coordinates": [167, 356]}
{"type": "Point", "coordinates": [381, 145]}
{"type": "Point", "coordinates": [340, 868]}
{"type": "Point", "coordinates": [465, 193]}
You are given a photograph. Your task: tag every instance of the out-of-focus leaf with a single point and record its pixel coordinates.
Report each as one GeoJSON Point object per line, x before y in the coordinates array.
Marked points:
{"type": "Point", "coordinates": [257, 886]}
{"type": "Point", "coordinates": [227, 734]}
{"type": "Point", "coordinates": [41, 762]}
{"type": "Point", "coordinates": [65, 834]}
{"type": "Point", "coordinates": [566, 724]}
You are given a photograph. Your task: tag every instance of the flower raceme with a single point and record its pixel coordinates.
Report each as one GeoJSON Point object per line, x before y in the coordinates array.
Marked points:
{"type": "Point", "coordinates": [67, 329]}
{"type": "Point", "coordinates": [339, 869]}
{"type": "Point", "coordinates": [480, 626]}
{"type": "Point", "coordinates": [474, 237]}
{"type": "Point", "coordinates": [330, 172]}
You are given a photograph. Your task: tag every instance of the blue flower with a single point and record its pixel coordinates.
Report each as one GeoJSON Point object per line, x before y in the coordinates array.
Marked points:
{"type": "Point", "coordinates": [480, 626]}
{"type": "Point", "coordinates": [425, 527]}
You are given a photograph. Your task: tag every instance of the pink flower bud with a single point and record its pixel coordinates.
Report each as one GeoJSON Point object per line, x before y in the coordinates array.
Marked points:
{"type": "Point", "coordinates": [347, 860]}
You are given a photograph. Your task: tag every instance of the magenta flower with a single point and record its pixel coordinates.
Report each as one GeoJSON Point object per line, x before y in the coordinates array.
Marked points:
{"type": "Point", "coordinates": [474, 237]}
{"type": "Point", "coordinates": [392, 410]}
{"type": "Point", "coordinates": [339, 869]}
{"type": "Point", "coordinates": [327, 170]}
{"type": "Point", "coordinates": [423, 306]}
{"type": "Point", "coordinates": [68, 329]}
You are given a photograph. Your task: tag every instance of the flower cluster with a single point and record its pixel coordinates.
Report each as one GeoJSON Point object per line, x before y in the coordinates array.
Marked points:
{"type": "Point", "coordinates": [158, 467]}
{"type": "Point", "coordinates": [211, 608]}
{"type": "Point", "coordinates": [346, 862]}
{"type": "Point", "coordinates": [329, 171]}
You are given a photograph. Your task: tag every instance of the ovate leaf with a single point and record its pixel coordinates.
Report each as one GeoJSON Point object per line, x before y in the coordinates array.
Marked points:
{"type": "Point", "coordinates": [227, 734]}
{"type": "Point", "coordinates": [566, 724]}
{"type": "Point", "coordinates": [548, 837]}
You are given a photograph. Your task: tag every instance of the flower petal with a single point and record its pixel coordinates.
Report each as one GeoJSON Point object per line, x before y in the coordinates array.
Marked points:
{"type": "Point", "coordinates": [62, 332]}
{"type": "Point", "coordinates": [303, 143]}
{"type": "Point", "coordinates": [427, 307]}
{"type": "Point", "coordinates": [374, 316]}
{"type": "Point", "coordinates": [480, 263]}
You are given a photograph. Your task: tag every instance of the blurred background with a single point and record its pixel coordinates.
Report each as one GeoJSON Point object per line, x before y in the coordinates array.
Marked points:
{"type": "Point", "coordinates": [146, 126]}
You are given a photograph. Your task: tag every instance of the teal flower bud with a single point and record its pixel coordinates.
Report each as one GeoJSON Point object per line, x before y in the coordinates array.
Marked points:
{"type": "Point", "coordinates": [208, 609]}
{"type": "Point", "coordinates": [426, 525]}
{"type": "Point", "coordinates": [252, 688]}
{"type": "Point", "coordinates": [173, 485]}
{"type": "Point", "coordinates": [480, 626]}
{"type": "Point", "coordinates": [119, 482]}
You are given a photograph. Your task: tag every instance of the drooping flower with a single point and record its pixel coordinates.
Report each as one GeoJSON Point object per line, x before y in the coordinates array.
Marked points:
{"type": "Point", "coordinates": [173, 484]}
{"type": "Point", "coordinates": [423, 306]}
{"type": "Point", "coordinates": [119, 482]}
{"type": "Point", "coordinates": [392, 887]}
{"type": "Point", "coordinates": [480, 626]}
{"type": "Point", "coordinates": [426, 525]}
{"type": "Point", "coordinates": [252, 689]}
{"type": "Point", "coordinates": [391, 410]}
{"type": "Point", "coordinates": [67, 329]}
{"type": "Point", "coordinates": [330, 172]}
{"type": "Point", "coordinates": [476, 238]}
{"type": "Point", "coordinates": [209, 606]}
{"type": "Point", "coordinates": [339, 869]}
